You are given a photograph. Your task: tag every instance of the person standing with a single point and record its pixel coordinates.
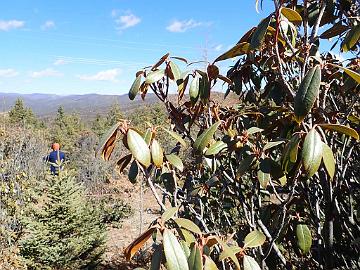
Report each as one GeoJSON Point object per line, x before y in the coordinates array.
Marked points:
{"type": "Point", "coordinates": [56, 159]}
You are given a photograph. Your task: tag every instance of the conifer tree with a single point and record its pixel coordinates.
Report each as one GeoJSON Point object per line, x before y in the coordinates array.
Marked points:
{"type": "Point", "coordinates": [114, 115]}
{"type": "Point", "coordinates": [62, 230]}
{"type": "Point", "coordinates": [19, 114]}
{"type": "Point", "coordinates": [65, 129]}
{"type": "Point", "coordinates": [99, 125]}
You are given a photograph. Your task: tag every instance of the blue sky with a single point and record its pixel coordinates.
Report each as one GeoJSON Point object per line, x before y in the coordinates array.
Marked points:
{"type": "Point", "coordinates": [78, 47]}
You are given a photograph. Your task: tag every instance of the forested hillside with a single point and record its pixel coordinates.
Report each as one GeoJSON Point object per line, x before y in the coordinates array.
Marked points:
{"type": "Point", "coordinates": [46, 105]}
{"type": "Point", "coordinates": [89, 188]}
{"type": "Point", "coordinates": [261, 176]}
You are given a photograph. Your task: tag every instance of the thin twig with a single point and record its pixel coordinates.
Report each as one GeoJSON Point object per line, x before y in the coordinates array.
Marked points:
{"type": "Point", "coordinates": [152, 187]}
{"type": "Point", "coordinates": [317, 23]}
{"type": "Point", "coordinates": [273, 245]}
{"type": "Point", "coordinates": [282, 76]}
{"type": "Point", "coordinates": [313, 36]}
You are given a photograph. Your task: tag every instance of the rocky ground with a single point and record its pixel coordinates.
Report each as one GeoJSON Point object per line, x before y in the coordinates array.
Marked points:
{"type": "Point", "coordinates": [120, 238]}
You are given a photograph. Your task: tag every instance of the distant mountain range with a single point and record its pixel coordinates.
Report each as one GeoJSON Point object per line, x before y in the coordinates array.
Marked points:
{"type": "Point", "coordinates": [89, 105]}
{"type": "Point", "coordinates": [46, 105]}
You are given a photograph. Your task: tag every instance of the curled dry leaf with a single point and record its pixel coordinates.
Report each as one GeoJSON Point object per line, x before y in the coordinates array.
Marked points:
{"type": "Point", "coordinates": [138, 243]}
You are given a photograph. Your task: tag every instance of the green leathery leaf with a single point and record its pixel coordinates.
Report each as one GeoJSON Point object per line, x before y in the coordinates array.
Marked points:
{"type": "Point", "coordinates": [304, 239]}
{"type": "Point", "coordinates": [245, 164]}
{"type": "Point", "coordinates": [294, 148]}
{"type": "Point", "coordinates": [157, 153]}
{"type": "Point", "coordinates": [175, 161]}
{"type": "Point", "coordinates": [259, 34]}
{"type": "Point", "coordinates": [176, 137]}
{"type": "Point", "coordinates": [138, 147]}
{"type": "Point", "coordinates": [169, 213]}
{"type": "Point", "coordinates": [209, 264]}
{"type": "Point", "coordinates": [228, 253]}
{"type": "Point", "coordinates": [254, 130]}
{"type": "Point", "coordinates": [329, 160]}
{"type": "Point", "coordinates": [250, 263]}
{"type": "Point", "coordinates": [354, 75]}
{"type": "Point", "coordinates": [185, 248]}
{"type": "Point", "coordinates": [342, 129]}
{"type": "Point", "coordinates": [175, 71]}
{"type": "Point", "coordinates": [312, 152]}
{"type": "Point", "coordinates": [204, 87]}
{"type": "Point", "coordinates": [194, 89]}
{"type": "Point", "coordinates": [351, 39]}
{"type": "Point", "coordinates": [275, 170]}
{"type": "Point", "coordinates": [238, 49]}
{"type": "Point", "coordinates": [264, 178]}
{"type": "Point", "coordinates": [291, 15]}
{"type": "Point", "coordinates": [215, 148]}
{"type": "Point", "coordinates": [290, 153]}
{"type": "Point", "coordinates": [203, 140]}
{"type": "Point", "coordinates": [135, 87]}
{"type": "Point", "coordinates": [187, 236]}
{"type": "Point", "coordinates": [272, 144]}
{"type": "Point", "coordinates": [283, 180]}
{"type": "Point", "coordinates": [195, 259]}
{"type": "Point", "coordinates": [156, 258]}
{"type": "Point", "coordinates": [335, 30]}
{"type": "Point", "coordinates": [263, 173]}
{"type": "Point", "coordinates": [148, 136]}
{"type": "Point", "coordinates": [175, 256]}
{"type": "Point", "coordinates": [188, 224]}
{"type": "Point", "coordinates": [133, 172]}
{"type": "Point", "coordinates": [354, 119]}
{"type": "Point", "coordinates": [293, 32]}
{"type": "Point", "coordinates": [307, 93]}
{"type": "Point", "coordinates": [254, 239]}
{"type": "Point", "coordinates": [154, 76]}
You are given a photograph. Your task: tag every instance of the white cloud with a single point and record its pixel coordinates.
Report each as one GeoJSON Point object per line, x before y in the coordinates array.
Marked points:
{"type": "Point", "coordinates": [48, 25]}
{"type": "Point", "coordinates": [7, 73]}
{"type": "Point", "coordinates": [49, 72]}
{"type": "Point", "coordinates": [218, 47]}
{"type": "Point", "coordinates": [126, 21]}
{"type": "Point", "coordinates": [59, 62]}
{"type": "Point", "coordinates": [105, 75]}
{"type": "Point", "coordinates": [182, 26]}
{"type": "Point", "coordinates": [114, 13]}
{"type": "Point", "coordinates": [12, 24]}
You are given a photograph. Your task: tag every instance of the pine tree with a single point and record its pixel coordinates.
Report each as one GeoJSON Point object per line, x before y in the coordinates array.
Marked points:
{"type": "Point", "coordinates": [99, 125]}
{"type": "Point", "coordinates": [62, 230]}
{"type": "Point", "coordinates": [114, 115]}
{"type": "Point", "coordinates": [60, 117]}
{"type": "Point", "coordinates": [65, 129]}
{"type": "Point", "coordinates": [19, 114]}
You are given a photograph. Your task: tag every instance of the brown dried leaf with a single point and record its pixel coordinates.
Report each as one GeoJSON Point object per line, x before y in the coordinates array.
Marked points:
{"type": "Point", "coordinates": [123, 162]}
{"type": "Point", "coordinates": [138, 243]}
{"type": "Point", "coordinates": [159, 63]}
